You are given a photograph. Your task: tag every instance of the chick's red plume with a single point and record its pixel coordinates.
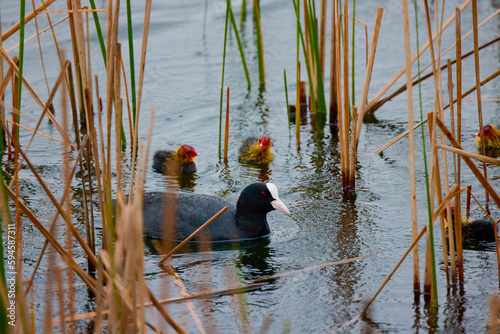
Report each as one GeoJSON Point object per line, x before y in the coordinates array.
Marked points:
{"type": "Point", "coordinates": [486, 131]}
{"type": "Point", "coordinates": [264, 141]}
{"type": "Point", "coordinates": [190, 151]}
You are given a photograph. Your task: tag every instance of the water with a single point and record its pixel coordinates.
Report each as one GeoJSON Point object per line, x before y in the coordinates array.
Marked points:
{"type": "Point", "coordinates": [182, 81]}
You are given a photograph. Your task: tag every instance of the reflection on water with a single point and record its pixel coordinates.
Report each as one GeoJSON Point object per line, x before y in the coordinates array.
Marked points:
{"type": "Point", "coordinates": [255, 260]}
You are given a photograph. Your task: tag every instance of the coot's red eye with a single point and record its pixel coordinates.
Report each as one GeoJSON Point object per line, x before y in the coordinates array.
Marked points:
{"type": "Point", "coordinates": [263, 193]}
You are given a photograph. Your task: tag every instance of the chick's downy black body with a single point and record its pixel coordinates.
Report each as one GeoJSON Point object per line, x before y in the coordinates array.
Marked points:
{"type": "Point", "coordinates": [244, 221]}
{"type": "Point", "coordinates": [180, 161]}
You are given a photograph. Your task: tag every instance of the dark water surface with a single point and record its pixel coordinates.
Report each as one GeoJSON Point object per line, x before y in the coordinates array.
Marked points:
{"type": "Point", "coordinates": [182, 81]}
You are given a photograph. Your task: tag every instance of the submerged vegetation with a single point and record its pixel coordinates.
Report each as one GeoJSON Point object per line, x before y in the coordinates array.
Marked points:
{"type": "Point", "coordinates": [105, 162]}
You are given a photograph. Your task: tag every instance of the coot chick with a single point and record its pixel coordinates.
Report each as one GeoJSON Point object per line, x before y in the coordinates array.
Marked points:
{"type": "Point", "coordinates": [477, 230]}
{"type": "Point", "coordinates": [256, 151]}
{"type": "Point", "coordinates": [244, 221]}
{"type": "Point", "coordinates": [182, 160]}
{"type": "Point", "coordinates": [491, 141]}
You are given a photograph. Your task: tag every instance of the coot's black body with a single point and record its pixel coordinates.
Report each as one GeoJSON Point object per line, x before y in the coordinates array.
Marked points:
{"type": "Point", "coordinates": [244, 221]}
{"type": "Point", "coordinates": [163, 158]}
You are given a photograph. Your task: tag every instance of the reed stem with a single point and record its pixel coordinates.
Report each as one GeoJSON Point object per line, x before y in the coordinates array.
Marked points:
{"type": "Point", "coordinates": [226, 132]}
{"type": "Point", "coordinates": [287, 105]}
{"type": "Point", "coordinates": [21, 61]}
{"type": "Point", "coordinates": [131, 59]}
{"type": "Point", "coordinates": [406, 25]}
{"type": "Point", "coordinates": [222, 80]}
{"type": "Point", "coordinates": [458, 207]}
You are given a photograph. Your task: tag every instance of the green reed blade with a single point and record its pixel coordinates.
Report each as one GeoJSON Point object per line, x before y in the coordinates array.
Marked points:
{"type": "Point", "coordinates": [429, 210]}
{"type": "Point", "coordinates": [352, 48]}
{"type": "Point", "coordinates": [287, 105]}
{"type": "Point", "coordinates": [301, 35]}
{"type": "Point", "coordinates": [260, 49]}
{"type": "Point", "coordinates": [222, 81]}
{"type": "Point", "coordinates": [99, 31]}
{"type": "Point", "coordinates": [240, 46]}
{"type": "Point", "coordinates": [297, 105]}
{"type": "Point", "coordinates": [243, 11]}
{"type": "Point", "coordinates": [132, 62]}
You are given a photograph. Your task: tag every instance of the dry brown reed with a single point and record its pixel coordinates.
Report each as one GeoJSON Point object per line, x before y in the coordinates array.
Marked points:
{"type": "Point", "coordinates": [409, 90]}
{"type": "Point", "coordinates": [458, 203]}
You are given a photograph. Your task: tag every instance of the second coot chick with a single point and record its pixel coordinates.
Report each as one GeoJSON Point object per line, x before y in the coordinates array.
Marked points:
{"type": "Point", "coordinates": [477, 230]}
{"type": "Point", "coordinates": [256, 151]}
{"type": "Point", "coordinates": [491, 141]}
{"type": "Point", "coordinates": [182, 160]}
{"type": "Point", "coordinates": [244, 221]}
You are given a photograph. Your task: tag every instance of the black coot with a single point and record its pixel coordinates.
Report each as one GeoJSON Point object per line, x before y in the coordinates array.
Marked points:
{"type": "Point", "coordinates": [244, 221]}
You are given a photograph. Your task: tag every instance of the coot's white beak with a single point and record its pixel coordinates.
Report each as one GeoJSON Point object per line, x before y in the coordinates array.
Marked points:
{"type": "Point", "coordinates": [278, 205]}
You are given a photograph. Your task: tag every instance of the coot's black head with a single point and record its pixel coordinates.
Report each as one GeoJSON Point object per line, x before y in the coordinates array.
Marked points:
{"type": "Point", "coordinates": [260, 198]}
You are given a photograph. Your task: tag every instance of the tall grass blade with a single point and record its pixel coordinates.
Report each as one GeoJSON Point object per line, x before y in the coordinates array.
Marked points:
{"type": "Point", "coordinates": [99, 31]}
{"type": "Point", "coordinates": [240, 46]}
{"type": "Point", "coordinates": [132, 62]}
{"type": "Point", "coordinates": [260, 44]}
{"type": "Point", "coordinates": [222, 80]}
{"type": "Point", "coordinates": [287, 105]}
{"type": "Point", "coordinates": [353, 53]}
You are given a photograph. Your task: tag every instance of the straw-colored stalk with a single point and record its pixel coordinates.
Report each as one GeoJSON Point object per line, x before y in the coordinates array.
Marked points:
{"type": "Point", "coordinates": [413, 59]}
{"type": "Point", "coordinates": [493, 324]}
{"type": "Point", "coordinates": [458, 206]}
{"type": "Point", "coordinates": [478, 85]}
{"type": "Point", "coordinates": [429, 268]}
{"type": "Point", "coordinates": [368, 73]}
{"type": "Point", "coordinates": [352, 165]}
{"type": "Point", "coordinates": [451, 234]}
{"type": "Point", "coordinates": [340, 113]}
{"type": "Point", "coordinates": [226, 131]}
{"type": "Point", "coordinates": [346, 110]}
{"type": "Point", "coordinates": [322, 37]}
{"type": "Point", "coordinates": [298, 105]}
{"type": "Point", "coordinates": [15, 108]}
{"type": "Point", "coordinates": [118, 114]}
{"type": "Point", "coordinates": [406, 24]}
{"type": "Point", "coordinates": [333, 66]}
